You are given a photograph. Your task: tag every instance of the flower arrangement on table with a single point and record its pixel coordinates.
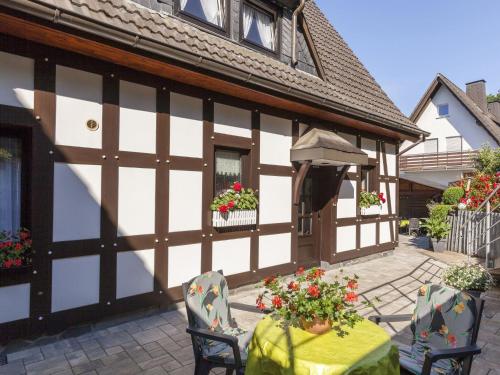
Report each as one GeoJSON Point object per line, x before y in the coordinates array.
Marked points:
{"type": "Point", "coordinates": [237, 206]}
{"type": "Point", "coordinates": [371, 202]}
{"type": "Point", "coordinates": [15, 249]}
{"type": "Point", "coordinates": [311, 303]}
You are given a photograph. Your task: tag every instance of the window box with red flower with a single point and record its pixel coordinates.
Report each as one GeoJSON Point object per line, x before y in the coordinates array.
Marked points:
{"type": "Point", "coordinates": [371, 203]}
{"type": "Point", "coordinates": [236, 207]}
{"type": "Point", "coordinates": [15, 251]}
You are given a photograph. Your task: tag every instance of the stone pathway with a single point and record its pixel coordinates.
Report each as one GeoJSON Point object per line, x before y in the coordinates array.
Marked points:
{"type": "Point", "coordinates": [155, 342]}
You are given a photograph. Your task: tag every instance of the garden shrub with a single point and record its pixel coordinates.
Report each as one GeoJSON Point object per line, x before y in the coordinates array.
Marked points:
{"type": "Point", "coordinates": [439, 211]}
{"type": "Point", "coordinates": [452, 195]}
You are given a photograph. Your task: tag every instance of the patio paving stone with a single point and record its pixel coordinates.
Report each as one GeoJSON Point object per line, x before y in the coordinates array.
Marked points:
{"type": "Point", "coordinates": [155, 342]}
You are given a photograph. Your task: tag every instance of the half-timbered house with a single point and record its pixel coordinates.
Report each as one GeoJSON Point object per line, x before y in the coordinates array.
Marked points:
{"type": "Point", "coordinates": [123, 119]}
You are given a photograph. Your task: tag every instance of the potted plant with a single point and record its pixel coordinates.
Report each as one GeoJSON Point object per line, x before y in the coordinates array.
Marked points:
{"type": "Point", "coordinates": [308, 302]}
{"type": "Point", "coordinates": [472, 278]}
{"type": "Point", "coordinates": [371, 203]}
{"type": "Point", "coordinates": [437, 229]}
{"type": "Point", "coordinates": [15, 249]}
{"type": "Point", "coordinates": [235, 207]}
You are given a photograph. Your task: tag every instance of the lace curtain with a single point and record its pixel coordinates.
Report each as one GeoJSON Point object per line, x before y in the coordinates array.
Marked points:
{"type": "Point", "coordinates": [264, 24]}
{"type": "Point", "coordinates": [210, 10]}
{"type": "Point", "coordinates": [10, 185]}
{"type": "Point", "coordinates": [227, 169]}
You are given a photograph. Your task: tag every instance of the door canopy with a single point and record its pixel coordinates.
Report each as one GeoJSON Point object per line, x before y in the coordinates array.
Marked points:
{"type": "Point", "coordinates": [326, 148]}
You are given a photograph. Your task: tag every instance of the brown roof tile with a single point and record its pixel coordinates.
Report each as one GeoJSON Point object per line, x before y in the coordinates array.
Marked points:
{"type": "Point", "coordinates": [347, 82]}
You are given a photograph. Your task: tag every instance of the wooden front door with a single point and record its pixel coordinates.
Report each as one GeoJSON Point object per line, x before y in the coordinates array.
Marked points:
{"type": "Point", "coordinates": [315, 219]}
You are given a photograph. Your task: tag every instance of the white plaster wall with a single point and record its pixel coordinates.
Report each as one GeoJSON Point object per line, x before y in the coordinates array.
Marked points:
{"type": "Point", "coordinates": [136, 201]}
{"type": "Point", "coordinates": [352, 139]}
{"type": "Point", "coordinates": [390, 154]}
{"type": "Point", "coordinates": [184, 263]}
{"type": "Point", "coordinates": [231, 256]}
{"type": "Point", "coordinates": [459, 123]}
{"type": "Point", "coordinates": [17, 80]}
{"type": "Point", "coordinates": [275, 199]}
{"type": "Point", "coordinates": [369, 146]}
{"type": "Point", "coordinates": [275, 249]}
{"type": "Point", "coordinates": [186, 126]}
{"type": "Point", "coordinates": [385, 232]}
{"type": "Point", "coordinates": [346, 205]}
{"type": "Point", "coordinates": [135, 272]}
{"type": "Point", "coordinates": [232, 120]}
{"type": "Point", "coordinates": [368, 234]}
{"type": "Point", "coordinates": [14, 302]}
{"type": "Point", "coordinates": [137, 118]}
{"type": "Point", "coordinates": [185, 200]}
{"type": "Point", "coordinates": [77, 202]}
{"type": "Point", "coordinates": [392, 190]}
{"type": "Point", "coordinates": [275, 140]}
{"type": "Point", "coordinates": [78, 99]}
{"type": "Point", "coordinates": [346, 238]}
{"type": "Point", "coordinates": [75, 282]}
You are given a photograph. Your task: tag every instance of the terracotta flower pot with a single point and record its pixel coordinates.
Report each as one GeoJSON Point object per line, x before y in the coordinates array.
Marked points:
{"type": "Point", "coordinates": [316, 326]}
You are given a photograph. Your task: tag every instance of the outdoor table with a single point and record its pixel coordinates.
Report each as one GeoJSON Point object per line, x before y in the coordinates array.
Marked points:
{"type": "Point", "coordinates": [365, 350]}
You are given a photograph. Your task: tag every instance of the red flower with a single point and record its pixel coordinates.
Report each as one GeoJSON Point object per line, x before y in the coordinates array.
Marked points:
{"type": "Point", "coordinates": [351, 297]}
{"type": "Point", "coordinates": [315, 274]}
{"type": "Point", "coordinates": [7, 263]}
{"type": "Point", "coordinates": [424, 334]}
{"type": "Point", "coordinates": [268, 280]}
{"type": "Point", "coordinates": [300, 271]}
{"type": "Point", "coordinates": [381, 197]}
{"type": "Point", "coordinates": [313, 291]}
{"type": "Point", "coordinates": [199, 289]}
{"type": "Point", "coordinates": [24, 235]}
{"type": "Point", "coordinates": [223, 208]}
{"type": "Point", "coordinates": [18, 262]}
{"type": "Point", "coordinates": [237, 187]}
{"type": "Point", "coordinates": [260, 304]}
{"type": "Point", "coordinates": [18, 247]}
{"type": "Point", "coordinates": [452, 340]}
{"type": "Point", "coordinates": [277, 302]}
{"type": "Point", "coordinates": [293, 286]}
{"type": "Point", "coordinates": [230, 204]}
{"type": "Point", "coordinates": [352, 284]}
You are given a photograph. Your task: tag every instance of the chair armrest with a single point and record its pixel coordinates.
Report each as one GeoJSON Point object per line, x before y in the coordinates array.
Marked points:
{"type": "Point", "coordinates": [390, 318]}
{"type": "Point", "coordinates": [232, 341]}
{"type": "Point", "coordinates": [434, 355]}
{"type": "Point", "coordinates": [249, 308]}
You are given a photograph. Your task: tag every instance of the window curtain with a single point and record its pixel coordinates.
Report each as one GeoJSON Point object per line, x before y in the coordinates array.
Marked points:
{"type": "Point", "coordinates": [265, 27]}
{"type": "Point", "coordinates": [248, 16]}
{"type": "Point", "coordinates": [228, 163]}
{"type": "Point", "coordinates": [10, 185]}
{"type": "Point", "coordinates": [213, 11]}
{"type": "Point", "coordinates": [183, 4]}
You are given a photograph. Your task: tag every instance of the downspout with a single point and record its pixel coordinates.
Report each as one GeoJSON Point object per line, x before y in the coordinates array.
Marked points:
{"type": "Point", "coordinates": [296, 13]}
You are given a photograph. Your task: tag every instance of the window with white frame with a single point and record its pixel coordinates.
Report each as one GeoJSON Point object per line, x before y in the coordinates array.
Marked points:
{"type": "Point", "coordinates": [10, 183]}
{"type": "Point", "coordinates": [443, 110]}
{"type": "Point", "coordinates": [211, 11]}
{"type": "Point", "coordinates": [258, 27]}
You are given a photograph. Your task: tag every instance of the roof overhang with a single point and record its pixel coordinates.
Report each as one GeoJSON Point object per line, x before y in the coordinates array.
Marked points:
{"type": "Point", "coordinates": [325, 148]}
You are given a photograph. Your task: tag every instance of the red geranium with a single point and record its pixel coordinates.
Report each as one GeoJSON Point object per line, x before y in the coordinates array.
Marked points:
{"type": "Point", "coordinates": [381, 197]}
{"type": "Point", "coordinates": [293, 286]}
{"type": "Point", "coordinates": [223, 208]}
{"type": "Point", "coordinates": [313, 291]}
{"type": "Point", "coordinates": [230, 204]}
{"type": "Point", "coordinates": [260, 305]}
{"type": "Point", "coordinates": [300, 271]}
{"type": "Point", "coordinates": [237, 187]}
{"type": "Point", "coordinates": [351, 297]}
{"type": "Point", "coordinates": [352, 284]}
{"type": "Point", "coordinates": [277, 302]}
{"type": "Point", "coordinates": [268, 280]}
{"type": "Point", "coordinates": [315, 273]}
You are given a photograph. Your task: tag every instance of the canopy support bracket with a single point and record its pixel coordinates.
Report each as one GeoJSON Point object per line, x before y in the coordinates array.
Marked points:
{"type": "Point", "coordinates": [301, 176]}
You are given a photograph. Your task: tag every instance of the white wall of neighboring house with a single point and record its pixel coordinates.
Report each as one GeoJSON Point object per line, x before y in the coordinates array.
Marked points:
{"type": "Point", "coordinates": [459, 122]}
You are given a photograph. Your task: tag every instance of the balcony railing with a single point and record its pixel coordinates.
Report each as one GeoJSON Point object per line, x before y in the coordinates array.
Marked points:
{"type": "Point", "coordinates": [462, 161]}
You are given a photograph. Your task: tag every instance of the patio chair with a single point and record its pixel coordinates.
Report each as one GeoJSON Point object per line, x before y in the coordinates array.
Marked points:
{"type": "Point", "coordinates": [445, 325]}
{"type": "Point", "coordinates": [217, 340]}
{"type": "Point", "coordinates": [414, 227]}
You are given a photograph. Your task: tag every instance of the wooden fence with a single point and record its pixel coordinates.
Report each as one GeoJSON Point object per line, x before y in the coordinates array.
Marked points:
{"type": "Point", "coordinates": [474, 233]}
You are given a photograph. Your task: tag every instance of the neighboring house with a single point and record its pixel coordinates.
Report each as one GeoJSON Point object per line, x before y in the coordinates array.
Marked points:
{"type": "Point", "coordinates": [125, 119]}
{"type": "Point", "coordinates": [459, 123]}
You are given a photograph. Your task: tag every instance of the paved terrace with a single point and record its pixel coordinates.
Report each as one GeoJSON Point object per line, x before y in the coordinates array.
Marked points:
{"type": "Point", "coordinates": [155, 342]}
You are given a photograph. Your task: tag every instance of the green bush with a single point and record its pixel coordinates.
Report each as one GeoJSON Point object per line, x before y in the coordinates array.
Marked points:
{"type": "Point", "coordinates": [487, 160]}
{"type": "Point", "coordinates": [452, 195]}
{"type": "Point", "coordinates": [439, 211]}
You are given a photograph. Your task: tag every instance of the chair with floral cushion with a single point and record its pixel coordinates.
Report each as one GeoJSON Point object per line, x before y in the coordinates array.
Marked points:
{"type": "Point", "coordinates": [217, 339]}
{"type": "Point", "coordinates": [445, 325]}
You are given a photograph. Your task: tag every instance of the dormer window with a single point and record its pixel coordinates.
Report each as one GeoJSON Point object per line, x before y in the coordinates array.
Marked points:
{"type": "Point", "coordinates": [208, 11]}
{"type": "Point", "coordinates": [443, 110]}
{"type": "Point", "coordinates": [259, 26]}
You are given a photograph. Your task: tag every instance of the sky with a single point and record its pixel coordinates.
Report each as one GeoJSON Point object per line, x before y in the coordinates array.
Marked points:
{"type": "Point", "coordinates": [405, 43]}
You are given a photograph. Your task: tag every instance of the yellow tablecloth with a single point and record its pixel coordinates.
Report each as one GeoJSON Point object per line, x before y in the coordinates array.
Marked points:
{"type": "Point", "coordinates": [366, 350]}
